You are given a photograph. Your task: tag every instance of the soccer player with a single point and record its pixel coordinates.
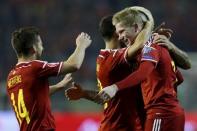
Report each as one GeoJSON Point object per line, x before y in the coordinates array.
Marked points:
{"type": "Point", "coordinates": [157, 74]}
{"type": "Point", "coordinates": [27, 83]}
{"type": "Point", "coordinates": [111, 66]}
{"type": "Point", "coordinates": [119, 114]}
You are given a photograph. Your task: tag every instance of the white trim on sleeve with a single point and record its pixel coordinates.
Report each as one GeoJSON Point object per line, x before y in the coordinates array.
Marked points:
{"type": "Point", "coordinates": [154, 61]}
{"type": "Point", "coordinates": [61, 63]}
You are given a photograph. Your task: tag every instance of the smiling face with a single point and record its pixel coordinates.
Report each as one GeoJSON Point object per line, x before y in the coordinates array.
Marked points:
{"type": "Point", "coordinates": [127, 33]}
{"type": "Point", "coordinates": [128, 24]}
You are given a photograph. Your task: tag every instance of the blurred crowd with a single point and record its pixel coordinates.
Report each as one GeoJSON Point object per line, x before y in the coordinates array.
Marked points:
{"type": "Point", "coordinates": [61, 21]}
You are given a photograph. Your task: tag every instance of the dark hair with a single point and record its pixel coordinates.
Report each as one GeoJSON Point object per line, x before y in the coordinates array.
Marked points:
{"type": "Point", "coordinates": [106, 27]}
{"type": "Point", "coordinates": [23, 40]}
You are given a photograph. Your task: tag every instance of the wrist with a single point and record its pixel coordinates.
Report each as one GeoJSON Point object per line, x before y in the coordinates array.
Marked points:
{"type": "Point", "coordinates": [81, 47]}
{"type": "Point", "coordinates": [83, 93]}
{"type": "Point", "coordinates": [115, 87]}
{"type": "Point", "coordinates": [111, 90]}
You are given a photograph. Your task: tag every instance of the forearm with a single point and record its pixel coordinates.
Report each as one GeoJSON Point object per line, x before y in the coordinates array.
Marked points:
{"type": "Point", "coordinates": [90, 95]}
{"type": "Point", "coordinates": [74, 62]}
{"type": "Point", "coordinates": [180, 58]}
{"type": "Point", "coordinates": [54, 88]}
{"type": "Point", "coordinates": [136, 77]}
{"type": "Point", "coordinates": [139, 42]}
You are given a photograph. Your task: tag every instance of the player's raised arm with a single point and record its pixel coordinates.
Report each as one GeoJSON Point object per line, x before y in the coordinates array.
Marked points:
{"type": "Point", "coordinates": [140, 40]}
{"type": "Point", "coordinates": [179, 56]}
{"type": "Point", "coordinates": [74, 62]}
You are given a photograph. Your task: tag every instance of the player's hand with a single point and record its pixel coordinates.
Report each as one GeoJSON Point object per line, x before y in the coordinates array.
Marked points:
{"type": "Point", "coordinates": [108, 92]}
{"type": "Point", "coordinates": [75, 92]}
{"type": "Point", "coordinates": [83, 40]}
{"type": "Point", "coordinates": [163, 31]}
{"type": "Point", "coordinates": [66, 80]}
{"type": "Point", "coordinates": [162, 40]}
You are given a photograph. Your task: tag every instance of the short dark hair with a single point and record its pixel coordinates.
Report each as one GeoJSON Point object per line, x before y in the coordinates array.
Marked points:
{"type": "Point", "coordinates": [106, 27]}
{"type": "Point", "coordinates": [23, 40]}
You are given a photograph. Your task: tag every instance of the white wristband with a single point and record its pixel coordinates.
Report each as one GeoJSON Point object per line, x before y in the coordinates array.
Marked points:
{"type": "Point", "coordinates": [111, 90]}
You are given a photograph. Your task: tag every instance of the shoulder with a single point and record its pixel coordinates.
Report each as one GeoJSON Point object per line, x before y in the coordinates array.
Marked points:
{"type": "Point", "coordinates": [38, 64]}
{"type": "Point", "coordinates": [104, 53]}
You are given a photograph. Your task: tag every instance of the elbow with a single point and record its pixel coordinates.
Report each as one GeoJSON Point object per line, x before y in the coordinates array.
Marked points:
{"type": "Point", "coordinates": [70, 67]}
{"type": "Point", "coordinates": [75, 67]}
{"type": "Point", "coordinates": [187, 65]}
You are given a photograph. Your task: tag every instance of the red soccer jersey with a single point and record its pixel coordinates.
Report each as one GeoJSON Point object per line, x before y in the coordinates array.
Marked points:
{"type": "Point", "coordinates": [28, 90]}
{"type": "Point", "coordinates": [159, 87]}
{"type": "Point", "coordinates": [121, 112]}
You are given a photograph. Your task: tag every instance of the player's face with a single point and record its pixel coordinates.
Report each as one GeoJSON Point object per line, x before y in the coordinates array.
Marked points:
{"type": "Point", "coordinates": [39, 47]}
{"type": "Point", "coordinates": [126, 34]}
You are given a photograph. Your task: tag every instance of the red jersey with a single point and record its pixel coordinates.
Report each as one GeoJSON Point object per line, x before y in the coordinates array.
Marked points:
{"type": "Point", "coordinates": [159, 87]}
{"type": "Point", "coordinates": [120, 113]}
{"type": "Point", "coordinates": [28, 91]}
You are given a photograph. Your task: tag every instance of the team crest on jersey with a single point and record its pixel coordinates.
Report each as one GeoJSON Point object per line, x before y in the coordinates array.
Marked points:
{"type": "Point", "coordinates": [147, 57]}
{"type": "Point", "coordinates": [147, 49]}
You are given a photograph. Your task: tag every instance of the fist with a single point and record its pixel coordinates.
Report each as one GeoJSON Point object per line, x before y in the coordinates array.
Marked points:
{"type": "Point", "coordinates": [83, 40]}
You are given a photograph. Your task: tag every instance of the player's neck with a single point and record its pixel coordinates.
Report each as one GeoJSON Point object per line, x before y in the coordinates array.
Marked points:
{"type": "Point", "coordinates": [112, 44]}
{"type": "Point", "coordinates": [26, 58]}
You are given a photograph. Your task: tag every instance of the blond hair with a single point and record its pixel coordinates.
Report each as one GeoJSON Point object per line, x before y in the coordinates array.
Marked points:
{"type": "Point", "coordinates": [132, 15]}
{"type": "Point", "coordinates": [127, 16]}
{"type": "Point", "coordinates": [145, 12]}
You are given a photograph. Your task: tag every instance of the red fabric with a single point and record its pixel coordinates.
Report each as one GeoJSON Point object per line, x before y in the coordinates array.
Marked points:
{"type": "Point", "coordinates": [28, 89]}
{"type": "Point", "coordinates": [122, 111]}
{"type": "Point", "coordinates": [179, 77]}
{"type": "Point", "coordinates": [136, 77]}
{"type": "Point", "coordinates": [165, 123]}
{"type": "Point", "coordinates": [75, 121]}
{"type": "Point", "coordinates": [158, 84]}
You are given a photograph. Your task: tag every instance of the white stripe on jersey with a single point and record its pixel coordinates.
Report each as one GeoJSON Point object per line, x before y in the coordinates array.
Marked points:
{"type": "Point", "coordinates": [101, 56]}
{"type": "Point", "coordinates": [60, 68]}
{"type": "Point", "coordinates": [156, 125]}
{"type": "Point", "coordinates": [45, 63]}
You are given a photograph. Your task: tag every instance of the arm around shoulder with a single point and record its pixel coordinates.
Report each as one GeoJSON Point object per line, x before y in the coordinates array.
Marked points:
{"type": "Point", "coordinates": [140, 40]}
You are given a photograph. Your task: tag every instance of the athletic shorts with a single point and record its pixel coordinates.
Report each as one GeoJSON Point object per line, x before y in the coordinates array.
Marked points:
{"type": "Point", "coordinates": [165, 123]}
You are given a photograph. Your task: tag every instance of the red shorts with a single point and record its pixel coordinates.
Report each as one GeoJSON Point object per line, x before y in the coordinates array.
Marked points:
{"type": "Point", "coordinates": [165, 123]}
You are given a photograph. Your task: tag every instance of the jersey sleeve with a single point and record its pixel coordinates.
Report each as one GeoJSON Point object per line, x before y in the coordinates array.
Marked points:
{"type": "Point", "coordinates": [150, 53]}
{"type": "Point", "coordinates": [45, 69]}
{"type": "Point", "coordinates": [119, 56]}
